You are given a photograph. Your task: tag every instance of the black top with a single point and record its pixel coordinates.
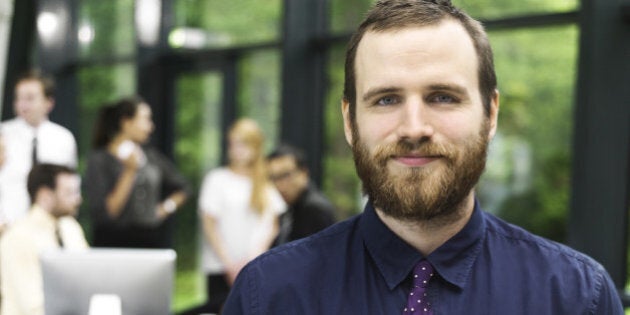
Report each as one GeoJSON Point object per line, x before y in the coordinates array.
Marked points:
{"type": "Point", "coordinates": [155, 181]}
{"type": "Point", "coordinates": [310, 213]}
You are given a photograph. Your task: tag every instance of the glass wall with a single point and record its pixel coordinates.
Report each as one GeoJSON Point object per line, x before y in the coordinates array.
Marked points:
{"type": "Point", "coordinates": [197, 150]}
{"type": "Point", "coordinates": [527, 179]}
{"type": "Point", "coordinates": [106, 29]}
{"type": "Point", "coordinates": [259, 91]}
{"type": "Point", "coordinates": [213, 24]}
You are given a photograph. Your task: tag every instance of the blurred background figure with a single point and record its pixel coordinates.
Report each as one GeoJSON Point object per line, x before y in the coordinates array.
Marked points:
{"type": "Point", "coordinates": [239, 208]}
{"type": "Point", "coordinates": [30, 138]}
{"type": "Point", "coordinates": [308, 210]}
{"type": "Point", "coordinates": [132, 189]}
{"type": "Point", "coordinates": [50, 224]}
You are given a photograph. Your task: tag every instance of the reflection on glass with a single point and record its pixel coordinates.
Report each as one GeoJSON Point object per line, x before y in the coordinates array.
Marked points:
{"type": "Point", "coordinates": [259, 91]}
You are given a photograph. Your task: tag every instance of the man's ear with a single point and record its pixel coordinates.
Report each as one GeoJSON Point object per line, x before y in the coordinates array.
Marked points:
{"type": "Point", "coordinates": [51, 103]}
{"type": "Point", "coordinates": [44, 196]}
{"type": "Point", "coordinates": [494, 114]}
{"type": "Point", "coordinates": [347, 124]}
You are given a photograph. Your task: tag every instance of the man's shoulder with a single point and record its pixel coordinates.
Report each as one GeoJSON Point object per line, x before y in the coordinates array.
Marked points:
{"type": "Point", "coordinates": [57, 129]}
{"type": "Point", "coordinates": [319, 251]}
{"type": "Point", "coordinates": [539, 250]}
{"type": "Point", "coordinates": [10, 123]}
{"type": "Point", "coordinates": [19, 232]}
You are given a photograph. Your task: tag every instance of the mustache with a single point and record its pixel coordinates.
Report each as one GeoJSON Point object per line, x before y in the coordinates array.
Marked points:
{"type": "Point", "coordinates": [407, 147]}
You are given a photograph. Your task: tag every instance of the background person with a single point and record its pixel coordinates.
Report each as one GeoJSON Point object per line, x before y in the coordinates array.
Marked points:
{"type": "Point", "coordinates": [132, 189]}
{"type": "Point", "coordinates": [239, 209]}
{"type": "Point", "coordinates": [420, 106]}
{"type": "Point", "coordinates": [29, 137]}
{"type": "Point", "coordinates": [308, 209]}
{"type": "Point", "coordinates": [50, 224]}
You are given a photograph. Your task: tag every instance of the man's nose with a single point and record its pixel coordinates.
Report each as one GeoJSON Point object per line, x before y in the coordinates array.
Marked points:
{"type": "Point", "coordinates": [415, 121]}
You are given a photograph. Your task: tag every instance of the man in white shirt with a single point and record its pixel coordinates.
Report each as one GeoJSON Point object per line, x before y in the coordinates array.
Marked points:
{"type": "Point", "coordinates": [27, 137]}
{"type": "Point", "coordinates": [50, 225]}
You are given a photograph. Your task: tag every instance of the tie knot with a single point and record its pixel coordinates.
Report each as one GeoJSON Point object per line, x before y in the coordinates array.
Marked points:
{"type": "Point", "coordinates": [422, 273]}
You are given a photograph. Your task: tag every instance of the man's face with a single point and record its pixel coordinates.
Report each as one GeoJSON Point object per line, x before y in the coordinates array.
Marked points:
{"type": "Point", "coordinates": [67, 195]}
{"type": "Point", "coordinates": [421, 135]}
{"type": "Point", "coordinates": [31, 104]}
{"type": "Point", "coordinates": [288, 178]}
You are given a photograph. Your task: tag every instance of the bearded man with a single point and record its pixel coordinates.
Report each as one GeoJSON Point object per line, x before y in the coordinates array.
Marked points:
{"type": "Point", "coordinates": [420, 106]}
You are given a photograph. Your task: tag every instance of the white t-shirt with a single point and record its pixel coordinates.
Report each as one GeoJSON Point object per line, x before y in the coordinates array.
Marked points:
{"type": "Point", "coordinates": [226, 196]}
{"type": "Point", "coordinates": [55, 144]}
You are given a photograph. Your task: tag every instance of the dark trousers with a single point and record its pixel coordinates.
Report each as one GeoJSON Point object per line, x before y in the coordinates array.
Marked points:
{"type": "Point", "coordinates": [217, 290]}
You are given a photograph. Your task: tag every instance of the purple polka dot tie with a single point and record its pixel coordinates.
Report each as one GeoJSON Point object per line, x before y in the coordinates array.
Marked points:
{"type": "Point", "coordinates": [417, 302]}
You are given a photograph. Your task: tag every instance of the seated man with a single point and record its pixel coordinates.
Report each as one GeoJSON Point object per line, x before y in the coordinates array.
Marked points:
{"type": "Point", "coordinates": [309, 211]}
{"type": "Point", "coordinates": [56, 195]}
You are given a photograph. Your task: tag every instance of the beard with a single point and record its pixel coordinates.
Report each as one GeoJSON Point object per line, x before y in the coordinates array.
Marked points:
{"type": "Point", "coordinates": [421, 194]}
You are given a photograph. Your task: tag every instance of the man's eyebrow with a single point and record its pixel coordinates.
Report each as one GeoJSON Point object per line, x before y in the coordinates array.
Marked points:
{"type": "Point", "coordinates": [448, 87]}
{"type": "Point", "coordinates": [376, 91]}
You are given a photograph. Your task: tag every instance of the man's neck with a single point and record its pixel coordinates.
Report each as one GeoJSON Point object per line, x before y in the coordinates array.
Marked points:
{"type": "Point", "coordinates": [34, 124]}
{"type": "Point", "coordinates": [427, 236]}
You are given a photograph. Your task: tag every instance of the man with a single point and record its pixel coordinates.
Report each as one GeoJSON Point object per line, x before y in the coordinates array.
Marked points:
{"type": "Point", "coordinates": [30, 138]}
{"type": "Point", "coordinates": [309, 211]}
{"type": "Point", "coordinates": [420, 106]}
{"type": "Point", "coordinates": [56, 194]}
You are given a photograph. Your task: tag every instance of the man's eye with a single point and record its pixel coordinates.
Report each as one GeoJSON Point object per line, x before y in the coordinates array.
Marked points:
{"type": "Point", "coordinates": [388, 100]}
{"type": "Point", "coordinates": [442, 98]}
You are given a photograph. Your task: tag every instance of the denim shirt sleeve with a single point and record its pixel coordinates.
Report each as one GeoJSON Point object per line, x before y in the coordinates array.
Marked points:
{"type": "Point", "coordinates": [606, 299]}
{"type": "Point", "coordinates": [243, 296]}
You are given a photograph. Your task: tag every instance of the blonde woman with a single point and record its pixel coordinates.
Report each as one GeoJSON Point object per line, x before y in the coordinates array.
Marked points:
{"type": "Point", "coordinates": [239, 208]}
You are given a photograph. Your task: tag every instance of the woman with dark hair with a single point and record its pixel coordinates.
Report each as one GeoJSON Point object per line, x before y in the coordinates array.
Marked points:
{"type": "Point", "coordinates": [132, 190]}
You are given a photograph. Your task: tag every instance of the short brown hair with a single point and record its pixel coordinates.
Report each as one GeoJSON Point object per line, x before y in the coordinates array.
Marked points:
{"type": "Point", "coordinates": [396, 14]}
{"type": "Point", "coordinates": [45, 175]}
{"type": "Point", "coordinates": [48, 84]}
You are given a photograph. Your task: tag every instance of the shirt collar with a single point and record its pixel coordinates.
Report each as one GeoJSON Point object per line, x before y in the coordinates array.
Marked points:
{"type": "Point", "coordinates": [395, 259]}
{"type": "Point", "coordinates": [454, 260]}
{"type": "Point", "coordinates": [27, 126]}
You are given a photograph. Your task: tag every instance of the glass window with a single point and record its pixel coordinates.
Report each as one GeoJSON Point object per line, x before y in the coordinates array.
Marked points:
{"type": "Point", "coordinates": [259, 91]}
{"type": "Point", "coordinates": [346, 15]}
{"type": "Point", "coordinates": [527, 178]}
{"type": "Point", "coordinates": [340, 182]}
{"type": "Point", "coordinates": [202, 23]}
{"type": "Point", "coordinates": [489, 9]}
{"type": "Point", "coordinates": [98, 85]}
{"type": "Point", "coordinates": [106, 28]}
{"type": "Point", "coordinates": [198, 138]}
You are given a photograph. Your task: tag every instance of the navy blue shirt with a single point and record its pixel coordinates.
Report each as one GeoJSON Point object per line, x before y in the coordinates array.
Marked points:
{"type": "Point", "coordinates": [359, 266]}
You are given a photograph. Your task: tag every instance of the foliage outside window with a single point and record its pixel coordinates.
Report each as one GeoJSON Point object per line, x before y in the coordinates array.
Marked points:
{"type": "Point", "coordinates": [230, 23]}
{"type": "Point", "coordinates": [106, 29]}
{"type": "Point", "coordinates": [259, 92]}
